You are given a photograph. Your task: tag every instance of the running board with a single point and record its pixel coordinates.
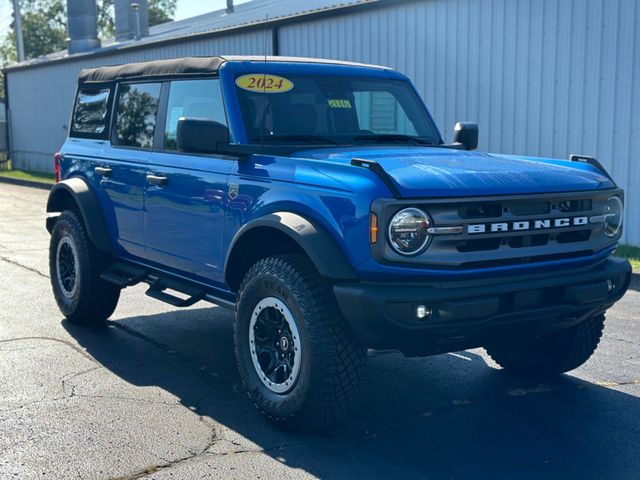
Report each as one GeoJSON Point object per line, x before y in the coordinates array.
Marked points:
{"type": "Point", "coordinates": [126, 275]}
{"type": "Point", "coordinates": [158, 287]}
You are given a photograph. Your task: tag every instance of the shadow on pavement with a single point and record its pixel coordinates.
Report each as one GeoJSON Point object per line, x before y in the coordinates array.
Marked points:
{"type": "Point", "coordinates": [449, 416]}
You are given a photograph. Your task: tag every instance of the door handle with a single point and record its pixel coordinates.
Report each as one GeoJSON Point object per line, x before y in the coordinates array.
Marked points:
{"type": "Point", "coordinates": [103, 171]}
{"type": "Point", "coordinates": [157, 180]}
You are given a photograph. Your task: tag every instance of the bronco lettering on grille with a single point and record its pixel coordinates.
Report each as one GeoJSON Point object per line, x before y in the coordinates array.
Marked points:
{"type": "Point", "coordinates": [541, 224]}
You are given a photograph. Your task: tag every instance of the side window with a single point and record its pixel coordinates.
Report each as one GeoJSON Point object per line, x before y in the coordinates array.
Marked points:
{"type": "Point", "coordinates": [137, 107]}
{"type": "Point", "coordinates": [90, 113]}
{"type": "Point", "coordinates": [381, 112]}
{"type": "Point", "coordinates": [197, 99]}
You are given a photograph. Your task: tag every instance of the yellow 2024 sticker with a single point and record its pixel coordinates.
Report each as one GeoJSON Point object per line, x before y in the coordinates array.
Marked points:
{"type": "Point", "coordinates": [259, 82]}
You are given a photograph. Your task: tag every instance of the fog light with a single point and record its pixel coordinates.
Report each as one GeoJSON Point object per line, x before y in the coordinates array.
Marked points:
{"type": "Point", "coordinates": [611, 285]}
{"type": "Point", "coordinates": [423, 312]}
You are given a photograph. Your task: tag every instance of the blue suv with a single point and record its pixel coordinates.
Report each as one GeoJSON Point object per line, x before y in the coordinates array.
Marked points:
{"type": "Point", "coordinates": [318, 201]}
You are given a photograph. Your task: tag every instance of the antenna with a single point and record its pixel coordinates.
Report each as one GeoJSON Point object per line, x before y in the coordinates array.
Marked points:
{"type": "Point", "coordinates": [264, 81]}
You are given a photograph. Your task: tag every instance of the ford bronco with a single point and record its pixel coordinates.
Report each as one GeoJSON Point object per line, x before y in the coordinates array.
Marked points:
{"type": "Point", "coordinates": [318, 201]}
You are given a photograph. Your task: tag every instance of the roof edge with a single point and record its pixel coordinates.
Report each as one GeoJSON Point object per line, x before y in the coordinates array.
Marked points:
{"type": "Point", "coordinates": [262, 24]}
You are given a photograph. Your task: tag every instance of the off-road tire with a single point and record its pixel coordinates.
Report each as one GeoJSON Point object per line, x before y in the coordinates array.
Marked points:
{"type": "Point", "coordinates": [332, 361]}
{"type": "Point", "coordinates": [551, 354]}
{"type": "Point", "coordinates": [94, 299]}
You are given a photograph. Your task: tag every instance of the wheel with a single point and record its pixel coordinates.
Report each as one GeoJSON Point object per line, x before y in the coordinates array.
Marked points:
{"type": "Point", "coordinates": [75, 265]}
{"type": "Point", "coordinates": [551, 354]}
{"type": "Point", "coordinates": [299, 362]}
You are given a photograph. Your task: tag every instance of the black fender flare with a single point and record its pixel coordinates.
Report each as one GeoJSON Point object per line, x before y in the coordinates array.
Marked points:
{"type": "Point", "coordinates": [315, 241]}
{"type": "Point", "coordinates": [80, 192]}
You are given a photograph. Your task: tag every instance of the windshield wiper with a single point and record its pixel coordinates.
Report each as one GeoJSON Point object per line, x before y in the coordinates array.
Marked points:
{"type": "Point", "coordinates": [394, 137]}
{"type": "Point", "coordinates": [302, 138]}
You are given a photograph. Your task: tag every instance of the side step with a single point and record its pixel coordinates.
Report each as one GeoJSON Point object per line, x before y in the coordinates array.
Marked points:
{"type": "Point", "coordinates": [158, 287]}
{"type": "Point", "coordinates": [126, 275]}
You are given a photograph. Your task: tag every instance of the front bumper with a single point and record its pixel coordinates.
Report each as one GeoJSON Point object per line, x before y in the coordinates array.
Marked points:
{"type": "Point", "coordinates": [472, 313]}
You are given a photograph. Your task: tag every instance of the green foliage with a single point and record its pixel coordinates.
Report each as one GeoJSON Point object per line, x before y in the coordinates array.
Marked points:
{"type": "Point", "coordinates": [44, 25]}
{"type": "Point", "coordinates": [43, 30]}
{"type": "Point", "coordinates": [161, 11]}
{"type": "Point", "coordinates": [631, 253]}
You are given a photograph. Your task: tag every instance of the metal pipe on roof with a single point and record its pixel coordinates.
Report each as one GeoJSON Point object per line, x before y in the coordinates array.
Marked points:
{"type": "Point", "coordinates": [229, 6]}
{"type": "Point", "coordinates": [82, 26]}
{"type": "Point", "coordinates": [132, 19]}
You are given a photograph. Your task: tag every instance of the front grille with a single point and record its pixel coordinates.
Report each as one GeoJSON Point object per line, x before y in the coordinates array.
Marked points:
{"type": "Point", "coordinates": [542, 241]}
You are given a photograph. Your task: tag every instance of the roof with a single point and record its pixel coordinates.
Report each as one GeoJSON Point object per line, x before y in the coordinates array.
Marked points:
{"type": "Point", "coordinates": [246, 15]}
{"type": "Point", "coordinates": [188, 66]}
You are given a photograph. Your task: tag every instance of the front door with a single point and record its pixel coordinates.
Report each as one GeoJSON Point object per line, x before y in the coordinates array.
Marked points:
{"type": "Point", "coordinates": [186, 194]}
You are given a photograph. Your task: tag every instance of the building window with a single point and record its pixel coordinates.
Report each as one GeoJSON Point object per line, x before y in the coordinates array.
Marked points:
{"type": "Point", "coordinates": [193, 99]}
{"type": "Point", "coordinates": [90, 112]}
{"type": "Point", "coordinates": [136, 114]}
{"type": "Point", "coordinates": [381, 113]}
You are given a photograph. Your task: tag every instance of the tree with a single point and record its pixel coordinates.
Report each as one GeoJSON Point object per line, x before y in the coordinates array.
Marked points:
{"type": "Point", "coordinates": [44, 25]}
{"type": "Point", "coordinates": [43, 29]}
{"type": "Point", "coordinates": [161, 11]}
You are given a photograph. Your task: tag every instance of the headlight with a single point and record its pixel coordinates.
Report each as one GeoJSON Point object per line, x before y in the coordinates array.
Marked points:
{"type": "Point", "coordinates": [613, 211]}
{"type": "Point", "coordinates": [408, 231]}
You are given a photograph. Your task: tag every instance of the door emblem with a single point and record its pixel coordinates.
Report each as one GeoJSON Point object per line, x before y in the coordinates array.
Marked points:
{"type": "Point", "coordinates": [233, 190]}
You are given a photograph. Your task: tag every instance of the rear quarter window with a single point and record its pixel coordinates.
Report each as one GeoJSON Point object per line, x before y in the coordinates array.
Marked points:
{"type": "Point", "coordinates": [91, 113]}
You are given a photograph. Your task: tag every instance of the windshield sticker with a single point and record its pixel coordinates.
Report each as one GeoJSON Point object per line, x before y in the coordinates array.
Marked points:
{"type": "Point", "coordinates": [259, 82]}
{"type": "Point", "coordinates": [339, 103]}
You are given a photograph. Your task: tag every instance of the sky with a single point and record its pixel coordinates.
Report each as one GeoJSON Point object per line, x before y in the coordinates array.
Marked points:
{"type": "Point", "coordinates": [185, 9]}
{"type": "Point", "coordinates": [191, 8]}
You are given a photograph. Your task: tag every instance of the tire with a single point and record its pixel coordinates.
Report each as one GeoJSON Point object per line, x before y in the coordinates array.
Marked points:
{"type": "Point", "coordinates": [329, 359]}
{"type": "Point", "coordinates": [551, 354]}
{"type": "Point", "coordinates": [75, 265]}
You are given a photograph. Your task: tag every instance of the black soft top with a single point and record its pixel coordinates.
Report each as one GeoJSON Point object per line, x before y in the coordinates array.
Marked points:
{"type": "Point", "coordinates": [188, 67]}
{"type": "Point", "coordinates": [175, 67]}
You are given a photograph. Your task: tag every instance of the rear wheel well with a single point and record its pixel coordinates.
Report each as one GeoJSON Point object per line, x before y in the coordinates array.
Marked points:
{"type": "Point", "coordinates": [62, 200]}
{"type": "Point", "coordinates": [258, 243]}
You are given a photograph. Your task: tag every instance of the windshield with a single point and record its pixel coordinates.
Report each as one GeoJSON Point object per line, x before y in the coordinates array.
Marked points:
{"type": "Point", "coordinates": [332, 110]}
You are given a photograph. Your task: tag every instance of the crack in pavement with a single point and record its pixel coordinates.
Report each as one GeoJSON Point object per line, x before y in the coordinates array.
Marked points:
{"type": "Point", "coordinates": [616, 384]}
{"type": "Point", "coordinates": [513, 392]}
{"type": "Point", "coordinates": [18, 264]}
{"type": "Point", "coordinates": [186, 360]}
{"type": "Point", "coordinates": [66, 379]}
{"type": "Point", "coordinates": [52, 339]}
{"type": "Point", "coordinates": [618, 339]}
{"type": "Point", "coordinates": [150, 470]}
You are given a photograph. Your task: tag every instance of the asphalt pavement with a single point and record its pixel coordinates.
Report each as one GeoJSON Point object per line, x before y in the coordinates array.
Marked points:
{"type": "Point", "coordinates": [156, 395]}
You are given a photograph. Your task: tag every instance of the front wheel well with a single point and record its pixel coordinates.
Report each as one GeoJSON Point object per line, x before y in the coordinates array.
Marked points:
{"type": "Point", "coordinates": [258, 243]}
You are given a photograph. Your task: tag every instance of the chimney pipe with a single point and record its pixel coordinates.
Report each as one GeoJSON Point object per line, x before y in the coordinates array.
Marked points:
{"type": "Point", "coordinates": [229, 6]}
{"type": "Point", "coordinates": [132, 19]}
{"type": "Point", "coordinates": [136, 20]}
{"type": "Point", "coordinates": [82, 26]}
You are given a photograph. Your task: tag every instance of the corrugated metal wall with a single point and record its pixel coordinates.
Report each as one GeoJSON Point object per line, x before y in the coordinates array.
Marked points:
{"type": "Point", "coordinates": [541, 77]}
{"type": "Point", "coordinates": [41, 98]}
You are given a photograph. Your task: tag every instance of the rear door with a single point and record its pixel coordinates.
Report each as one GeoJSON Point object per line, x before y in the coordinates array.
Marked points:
{"type": "Point", "coordinates": [120, 173]}
{"type": "Point", "coordinates": [186, 194]}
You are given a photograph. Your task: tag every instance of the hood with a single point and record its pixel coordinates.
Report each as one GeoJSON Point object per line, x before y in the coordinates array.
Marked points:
{"type": "Point", "coordinates": [441, 172]}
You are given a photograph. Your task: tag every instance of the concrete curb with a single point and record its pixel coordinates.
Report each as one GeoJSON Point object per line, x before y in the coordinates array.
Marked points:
{"type": "Point", "coordinates": [26, 183]}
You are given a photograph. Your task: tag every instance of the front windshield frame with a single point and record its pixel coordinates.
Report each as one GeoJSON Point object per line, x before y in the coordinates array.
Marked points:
{"type": "Point", "coordinates": [428, 134]}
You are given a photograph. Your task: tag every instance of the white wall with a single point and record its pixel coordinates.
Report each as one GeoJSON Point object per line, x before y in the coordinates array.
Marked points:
{"type": "Point", "coordinates": [41, 98]}
{"type": "Point", "coordinates": [541, 77]}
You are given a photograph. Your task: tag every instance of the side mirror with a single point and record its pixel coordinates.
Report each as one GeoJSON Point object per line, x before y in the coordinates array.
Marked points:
{"type": "Point", "coordinates": [197, 135]}
{"type": "Point", "coordinates": [466, 134]}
